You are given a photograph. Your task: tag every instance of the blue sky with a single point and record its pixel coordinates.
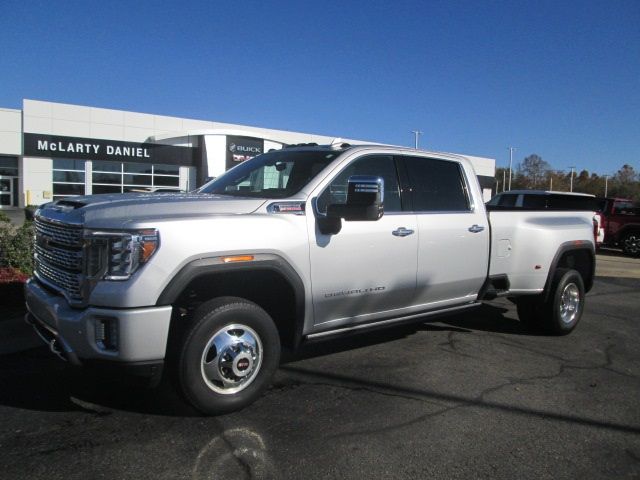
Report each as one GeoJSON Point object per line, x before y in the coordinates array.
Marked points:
{"type": "Point", "coordinates": [557, 78]}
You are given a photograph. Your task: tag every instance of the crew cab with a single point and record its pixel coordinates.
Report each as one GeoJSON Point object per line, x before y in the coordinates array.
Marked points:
{"type": "Point", "coordinates": [296, 245]}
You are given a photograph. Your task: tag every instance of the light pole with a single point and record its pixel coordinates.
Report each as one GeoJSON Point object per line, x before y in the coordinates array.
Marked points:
{"type": "Point", "coordinates": [511, 149]}
{"type": "Point", "coordinates": [416, 133]}
{"type": "Point", "coordinates": [606, 184]}
{"type": "Point", "coordinates": [571, 183]}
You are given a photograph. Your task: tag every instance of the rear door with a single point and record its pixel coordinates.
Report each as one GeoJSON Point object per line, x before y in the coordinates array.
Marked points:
{"type": "Point", "coordinates": [453, 231]}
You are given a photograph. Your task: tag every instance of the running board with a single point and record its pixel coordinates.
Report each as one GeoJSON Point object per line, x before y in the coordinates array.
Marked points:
{"type": "Point", "coordinates": [385, 323]}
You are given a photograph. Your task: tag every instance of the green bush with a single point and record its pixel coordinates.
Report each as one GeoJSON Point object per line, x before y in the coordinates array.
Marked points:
{"type": "Point", "coordinates": [16, 246]}
{"type": "Point", "coordinates": [4, 218]}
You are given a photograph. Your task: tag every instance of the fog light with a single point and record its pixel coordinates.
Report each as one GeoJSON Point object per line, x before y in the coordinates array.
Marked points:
{"type": "Point", "coordinates": [107, 333]}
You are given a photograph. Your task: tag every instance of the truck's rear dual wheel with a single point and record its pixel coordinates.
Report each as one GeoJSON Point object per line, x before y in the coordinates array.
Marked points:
{"type": "Point", "coordinates": [560, 313]}
{"type": "Point", "coordinates": [228, 355]}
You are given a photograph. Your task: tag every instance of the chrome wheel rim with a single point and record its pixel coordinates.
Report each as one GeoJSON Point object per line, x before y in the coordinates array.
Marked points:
{"type": "Point", "coordinates": [569, 303]}
{"type": "Point", "coordinates": [231, 359]}
{"type": "Point", "coordinates": [632, 244]}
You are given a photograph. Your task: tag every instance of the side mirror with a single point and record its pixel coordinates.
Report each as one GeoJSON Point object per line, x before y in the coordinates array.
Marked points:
{"type": "Point", "coordinates": [365, 195]}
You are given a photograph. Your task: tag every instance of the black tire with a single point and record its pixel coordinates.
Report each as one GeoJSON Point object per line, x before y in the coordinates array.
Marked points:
{"type": "Point", "coordinates": [214, 381]}
{"type": "Point", "coordinates": [631, 244]}
{"type": "Point", "coordinates": [565, 303]}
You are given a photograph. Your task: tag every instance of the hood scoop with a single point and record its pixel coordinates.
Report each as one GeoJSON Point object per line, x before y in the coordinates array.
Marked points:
{"type": "Point", "coordinates": [67, 205]}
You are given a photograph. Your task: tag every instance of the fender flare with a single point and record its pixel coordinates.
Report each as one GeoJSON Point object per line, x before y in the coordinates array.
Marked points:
{"type": "Point", "coordinates": [215, 265]}
{"type": "Point", "coordinates": [572, 246]}
{"type": "Point", "coordinates": [629, 227]}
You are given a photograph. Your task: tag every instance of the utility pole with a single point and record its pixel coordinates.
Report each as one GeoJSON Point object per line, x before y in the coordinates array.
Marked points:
{"type": "Point", "coordinates": [606, 184]}
{"type": "Point", "coordinates": [511, 149]}
{"type": "Point", "coordinates": [416, 133]}
{"type": "Point", "coordinates": [571, 183]}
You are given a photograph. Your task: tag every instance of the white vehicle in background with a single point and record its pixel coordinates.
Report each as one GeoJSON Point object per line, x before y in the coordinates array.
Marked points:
{"type": "Point", "coordinates": [295, 245]}
{"type": "Point", "coordinates": [551, 200]}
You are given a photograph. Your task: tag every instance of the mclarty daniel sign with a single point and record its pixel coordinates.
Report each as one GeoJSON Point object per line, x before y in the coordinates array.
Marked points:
{"type": "Point", "coordinates": [56, 146]}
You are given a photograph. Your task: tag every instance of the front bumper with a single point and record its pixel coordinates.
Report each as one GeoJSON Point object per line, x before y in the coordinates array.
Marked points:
{"type": "Point", "coordinates": [71, 333]}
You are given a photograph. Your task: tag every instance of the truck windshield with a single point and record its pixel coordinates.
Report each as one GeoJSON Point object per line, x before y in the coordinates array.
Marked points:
{"type": "Point", "coordinates": [277, 174]}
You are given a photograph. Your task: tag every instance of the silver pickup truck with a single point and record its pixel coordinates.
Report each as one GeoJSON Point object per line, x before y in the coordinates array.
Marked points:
{"type": "Point", "coordinates": [295, 245]}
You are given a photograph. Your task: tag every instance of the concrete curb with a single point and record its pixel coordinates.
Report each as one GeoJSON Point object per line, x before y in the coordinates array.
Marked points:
{"type": "Point", "coordinates": [16, 336]}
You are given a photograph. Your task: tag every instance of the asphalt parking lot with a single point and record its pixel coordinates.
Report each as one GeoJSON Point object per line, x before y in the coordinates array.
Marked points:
{"type": "Point", "coordinates": [474, 396]}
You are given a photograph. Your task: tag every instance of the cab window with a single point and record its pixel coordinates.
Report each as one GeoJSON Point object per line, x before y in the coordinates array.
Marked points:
{"type": "Point", "coordinates": [436, 185]}
{"type": "Point", "coordinates": [376, 165]}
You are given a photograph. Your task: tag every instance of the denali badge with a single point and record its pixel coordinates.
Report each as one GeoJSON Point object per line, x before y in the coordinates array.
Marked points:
{"type": "Point", "coordinates": [356, 291]}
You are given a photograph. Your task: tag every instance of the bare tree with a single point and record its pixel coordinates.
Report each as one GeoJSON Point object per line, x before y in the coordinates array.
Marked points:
{"type": "Point", "coordinates": [533, 168]}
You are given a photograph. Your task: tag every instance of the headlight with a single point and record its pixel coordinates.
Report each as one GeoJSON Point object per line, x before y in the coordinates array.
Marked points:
{"type": "Point", "coordinates": [116, 255]}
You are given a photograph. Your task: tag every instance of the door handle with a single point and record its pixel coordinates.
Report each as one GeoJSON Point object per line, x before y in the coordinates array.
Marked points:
{"type": "Point", "coordinates": [476, 228]}
{"type": "Point", "coordinates": [402, 232]}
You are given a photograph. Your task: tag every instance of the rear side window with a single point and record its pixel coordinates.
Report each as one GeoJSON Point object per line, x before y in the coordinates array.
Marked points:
{"type": "Point", "coordinates": [626, 208]}
{"type": "Point", "coordinates": [436, 185]}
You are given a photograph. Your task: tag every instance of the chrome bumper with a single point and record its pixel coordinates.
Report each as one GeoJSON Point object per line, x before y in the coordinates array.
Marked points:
{"type": "Point", "coordinates": [71, 333]}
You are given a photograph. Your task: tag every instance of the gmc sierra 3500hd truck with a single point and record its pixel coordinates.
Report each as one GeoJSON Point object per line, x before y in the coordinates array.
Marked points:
{"type": "Point", "coordinates": [295, 245]}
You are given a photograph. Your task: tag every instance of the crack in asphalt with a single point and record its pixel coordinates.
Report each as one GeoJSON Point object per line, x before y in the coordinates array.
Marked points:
{"type": "Point", "coordinates": [453, 348]}
{"type": "Point", "coordinates": [632, 455]}
{"type": "Point", "coordinates": [460, 402]}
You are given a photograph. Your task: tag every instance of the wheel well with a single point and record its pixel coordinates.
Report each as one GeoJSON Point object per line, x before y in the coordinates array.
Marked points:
{"type": "Point", "coordinates": [266, 288]}
{"type": "Point", "coordinates": [635, 229]}
{"type": "Point", "coordinates": [582, 261]}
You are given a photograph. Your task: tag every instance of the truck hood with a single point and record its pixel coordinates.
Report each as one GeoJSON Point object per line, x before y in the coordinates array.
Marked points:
{"type": "Point", "coordinates": [119, 209]}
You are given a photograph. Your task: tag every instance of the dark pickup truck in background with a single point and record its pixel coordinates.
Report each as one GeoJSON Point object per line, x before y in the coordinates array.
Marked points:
{"type": "Point", "coordinates": [620, 221]}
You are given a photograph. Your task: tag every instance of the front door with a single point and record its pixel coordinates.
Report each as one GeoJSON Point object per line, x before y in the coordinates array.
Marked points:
{"type": "Point", "coordinates": [368, 270]}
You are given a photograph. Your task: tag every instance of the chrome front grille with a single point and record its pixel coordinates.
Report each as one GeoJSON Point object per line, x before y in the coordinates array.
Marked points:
{"type": "Point", "coordinates": [59, 257]}
{"type": "Point", "coordinates": [69, 283]}
{"type": "Point", "coordinates": [62, 234]}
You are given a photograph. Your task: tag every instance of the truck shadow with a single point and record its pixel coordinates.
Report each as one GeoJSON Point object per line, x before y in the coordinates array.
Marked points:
{"type": "Point", "coordinates": [486, 318]}
{"type": "Point", "coordinates": [37, 380]}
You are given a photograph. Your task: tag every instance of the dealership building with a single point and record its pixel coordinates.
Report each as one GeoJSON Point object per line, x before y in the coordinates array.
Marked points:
{"type": "Point", "coordinates": [52, 150]}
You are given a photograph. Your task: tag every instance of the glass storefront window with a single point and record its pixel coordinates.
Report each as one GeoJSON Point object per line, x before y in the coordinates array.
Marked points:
{"type": "Point", "coordinates": [111, 177]}
{"type": "Point", "coordinates": [101, 166]}
{"type": "Point", "coordinates": [138, 179]}
{"type": "Point", "coordinates": [166, 181]}
{"type": "Point", "coordinates": [166, 170]}
{"type": "Point", "coordinates": [9, 166]}
{"type": "Point", "coordinates": [114, 178]}
{"type": "Point", "coordinates": [67, 189]}
{"type": "Point", "coordinates": [140, 168]}
{"type": "Point", "coordinates": [68, 177]}
{"type": "Point", "coordinates": [107, 189]}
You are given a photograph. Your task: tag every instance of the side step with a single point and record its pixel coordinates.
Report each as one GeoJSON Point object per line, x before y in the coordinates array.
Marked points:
{"type": "Point", "coordinates": [494, 286]}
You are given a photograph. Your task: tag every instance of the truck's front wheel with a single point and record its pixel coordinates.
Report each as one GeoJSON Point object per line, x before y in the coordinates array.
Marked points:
{"type": "Point", "coordinates": [228, 356]}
